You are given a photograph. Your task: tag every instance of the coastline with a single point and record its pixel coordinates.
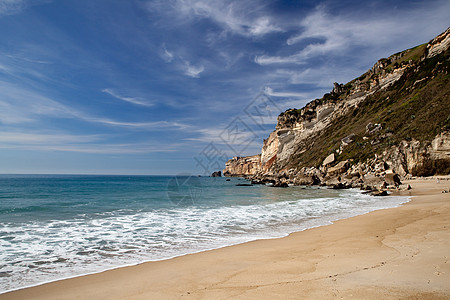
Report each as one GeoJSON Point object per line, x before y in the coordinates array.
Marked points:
{"type": "Point", "coordinates": [396, 252]}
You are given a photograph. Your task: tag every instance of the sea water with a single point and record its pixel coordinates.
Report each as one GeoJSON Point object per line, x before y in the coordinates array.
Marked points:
{"type": "Point", "coordinates": [60, 226]}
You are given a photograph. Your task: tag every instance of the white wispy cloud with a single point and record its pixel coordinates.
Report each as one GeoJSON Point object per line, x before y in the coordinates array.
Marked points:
{"type": "Point", "coordinates": [228, 141]}
{"type": "Point", "coordinates": [337, 34]}
{"type": "Point", "coordinates": [262, 26]}
{"type": "Point", "coordinates": [181, 63]}
{"type": "Point", "coordinates": [166, 54]}
{"type": "Point", "coordinates": [246, 18]}
{"type": "Point", "coordinates": [193, 71]}
{"type": "Point", "coordinates": [31, 138]}
{"type": "Point", "coordinates": [134, 100]}
{"type": "Point", "coordinates": [157, 125]}
{"type": "Point", "coordinates": [23, 68]}
{"type": "Point", "coordinates": [56, 141]}
{"type": "Point", "coordinates": [19, 105]}
{"type": "Point", "coordinates": [10, 7]}
{"type": "Point", "coordinates": [270, 92]}
{"type": "Point", "coordinates": [269, 60]}
{"type": "Point", "coordinates": [320, 78]}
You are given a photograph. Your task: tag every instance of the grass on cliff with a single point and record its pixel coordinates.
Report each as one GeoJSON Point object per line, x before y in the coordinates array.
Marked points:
{"type": "Point", "coordinates": [416, 107]}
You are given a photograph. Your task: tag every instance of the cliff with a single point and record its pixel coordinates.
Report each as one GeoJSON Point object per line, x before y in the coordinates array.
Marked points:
{"type": "Point", "coordinates": [242, 166]}
{"type": "Point", "coordinates": [394, 119]}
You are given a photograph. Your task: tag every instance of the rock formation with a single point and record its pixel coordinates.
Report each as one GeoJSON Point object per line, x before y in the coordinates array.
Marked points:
{"type": "Point", "coordinates": [394, 119]}
{"type": "Point", "coordinates": [242, 166]}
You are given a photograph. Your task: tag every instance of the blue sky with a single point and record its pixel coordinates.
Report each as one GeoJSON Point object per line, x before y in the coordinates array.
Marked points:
{"type": "Point", "coordinates": [173, 86]}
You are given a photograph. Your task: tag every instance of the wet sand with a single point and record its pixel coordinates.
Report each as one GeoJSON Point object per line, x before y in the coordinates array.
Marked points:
{"type": "Point", "coordinates": [398, 253]}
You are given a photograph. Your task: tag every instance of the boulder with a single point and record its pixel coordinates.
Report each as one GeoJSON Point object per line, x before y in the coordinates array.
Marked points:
{"type": "Point", "coordinates": [404, 187]}
{"type": "Point", "coordinates": [392, 178]}
{"type": "Point", "coordinates": [256, 181]}
{"type": "Point", "coordinates": [379, 193]}
{"type": "Point", "coordinates": [331, 181]}
{"type": "Point", "coordinates": [380, 167]}
{"type": "Point", "coordinates": [306, 180]}
{"type": "Point", "coordinates": [280, 184]}
{"type": "Point", "coordinates": [338, 88]}
{"type": "Point", "coordinates": [340, 186]}
{"type": "Point", "coordinates": [348, 139]}
{"type": "Point", "coordinates": [340, 168]}
{"type": "Point", "coordinates": [372, 182]}
{"type": "Point", "coordinates": [216, 174]}
{"type": "Point", "coordinates": [328, 160]}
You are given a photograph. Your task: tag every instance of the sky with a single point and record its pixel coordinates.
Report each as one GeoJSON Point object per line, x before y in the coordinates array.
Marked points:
{"type": "Point", "coordinates": [178, 86]}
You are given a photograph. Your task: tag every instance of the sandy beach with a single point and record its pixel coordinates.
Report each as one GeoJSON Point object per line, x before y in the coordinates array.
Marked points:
{"type": "Point", "coordinates": [399, 253]}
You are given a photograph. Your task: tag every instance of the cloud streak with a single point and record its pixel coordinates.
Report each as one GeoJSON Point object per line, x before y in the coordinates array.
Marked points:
{"type": "Point", "coordinates": [10, 7]}
{"type": "Point", "coordinates": [166, 54]}
{"type": "Point", "coordinates": [19, 106]}
{"type": "Point", "coordinates": [133, 100]}
{"type": "Point", "coordinates": [246, 18]}
{"type": "Point", "coordinates": [323, 33]}
{"type": "Point", "coordinates": [193, 71]}
{"type": "Point", "coordinates": [270, 92]}
{"type": "Point", "coordinates": [76, 143]}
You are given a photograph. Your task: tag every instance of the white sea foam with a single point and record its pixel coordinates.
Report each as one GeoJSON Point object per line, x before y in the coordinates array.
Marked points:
{"type": "Point", "coordinates": [37, 252]}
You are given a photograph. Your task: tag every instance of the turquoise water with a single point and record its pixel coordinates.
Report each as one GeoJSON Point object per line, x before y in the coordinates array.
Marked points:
{"type": "Point", "coordinates": [59, 226]}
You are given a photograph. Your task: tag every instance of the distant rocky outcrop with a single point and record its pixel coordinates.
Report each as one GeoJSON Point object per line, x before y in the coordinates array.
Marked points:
{"type": "Point", "coordinates": [242, 166]}
{"type": "Point", "coordinates": [216, 174]}
{"type": "Point", "coordinates": [389, 123]}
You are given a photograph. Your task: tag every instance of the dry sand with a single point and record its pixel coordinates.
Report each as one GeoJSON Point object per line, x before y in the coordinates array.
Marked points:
{"type": "Point", "coordinates": [399, 253]}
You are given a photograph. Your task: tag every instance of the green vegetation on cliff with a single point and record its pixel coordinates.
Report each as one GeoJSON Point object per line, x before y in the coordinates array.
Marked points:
{"type": "Point", "coordinates": [417, 106]}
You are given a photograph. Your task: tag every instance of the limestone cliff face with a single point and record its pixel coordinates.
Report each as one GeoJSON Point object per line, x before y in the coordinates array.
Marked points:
{"type": "Point", "coordinates": [439, 44]}
{"type": "Point", "coordinates": [391, 88]}
{"type": "Point", "coordinates": [410, 157]}
{"type": "Point", "coordinates": [242, 166]}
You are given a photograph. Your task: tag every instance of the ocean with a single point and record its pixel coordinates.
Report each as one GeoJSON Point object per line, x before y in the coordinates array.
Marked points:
{"type": "Point", "coordinates": [60, 226]}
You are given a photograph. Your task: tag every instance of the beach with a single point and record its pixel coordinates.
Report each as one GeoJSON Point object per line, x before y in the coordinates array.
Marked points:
{"type": "Point", "coordinates": [392, 253]}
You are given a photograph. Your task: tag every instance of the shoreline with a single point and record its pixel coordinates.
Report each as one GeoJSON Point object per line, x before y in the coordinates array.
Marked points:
{"type": "Point", "coordinates": [395, 201]}
{"type": "Point", "coordinates": [201, 274]}
{"type": "Point", "coordinates": [281, 236]}
{"type": "Point", "coordinates": [278, 231]}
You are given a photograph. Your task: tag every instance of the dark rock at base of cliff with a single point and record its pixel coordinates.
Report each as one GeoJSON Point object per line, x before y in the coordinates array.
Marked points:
{"type": "Point", "coordinates": [337, 186]}
{"type": "Point", "coordinates": [392, 179]}
{"type": "Point", "coordinates": [372, 182]}
{"type": "Point", "coordinates": [216, 174]}
{"type": "Point", "coordinates": [380, 193]}
{"type": "Point", "coordinates": [258, 182]}
{"type": "Point", "coordinates": [244, 184]}
{"type": "Point", "coordinates": [306, 180]}
{"type": "Point", "coordinates": [280, 184]}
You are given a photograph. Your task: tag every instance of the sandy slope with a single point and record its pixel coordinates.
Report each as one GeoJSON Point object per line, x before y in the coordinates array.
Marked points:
{"type": "Point", "coordinates": [400, 253]}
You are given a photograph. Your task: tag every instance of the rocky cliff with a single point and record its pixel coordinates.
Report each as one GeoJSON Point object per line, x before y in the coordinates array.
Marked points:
{"type": "Point", "coordinates": [242, 166]}
{"type": "Point", "coordinates": [394, 119]}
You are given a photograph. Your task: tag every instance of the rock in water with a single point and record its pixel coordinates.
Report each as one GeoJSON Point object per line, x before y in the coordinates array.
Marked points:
{"type": "Point", "coordinates": [216, 174]}
{"type": "Point", "coordinates": [380, 193]}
